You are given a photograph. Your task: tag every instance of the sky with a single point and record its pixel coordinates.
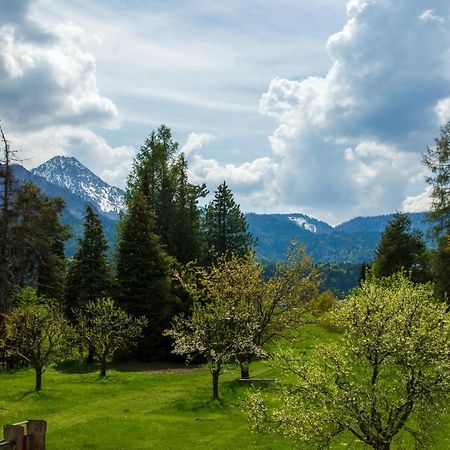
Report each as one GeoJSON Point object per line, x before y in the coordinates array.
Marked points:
{"type": "Point", "coordinates": [323, 108]}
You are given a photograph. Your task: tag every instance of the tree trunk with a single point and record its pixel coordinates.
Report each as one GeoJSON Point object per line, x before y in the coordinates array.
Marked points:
{"type": "Point", "coordinates": [90, 356]}
{"type": "Point", "coordinates": [215, 379]}
{"type": "Point", "coordinates": [245, 368]}
{"type": "Point", "coordinates": [103, 367]}
{"type": "Point", "coordinates": [38, 378]}
{"type": "Point", "coordinates": [381, 445]}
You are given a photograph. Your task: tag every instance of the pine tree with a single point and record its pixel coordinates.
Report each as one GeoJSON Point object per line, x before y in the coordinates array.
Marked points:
{"type": "Point", "coordinates": [226, 229]}
{"type": "Point", "coordinates": [144, 287]}
{"type": "Point", "coordinates": [37, 240]}
{"type": "Point", "coordinates": [160, 175]}
{"type": "Point", "coordinates": [89, 275]}
{"type": "Point", "coordinates": [437, 160]}
{"type": "Point", "coordinates": [401, 249]}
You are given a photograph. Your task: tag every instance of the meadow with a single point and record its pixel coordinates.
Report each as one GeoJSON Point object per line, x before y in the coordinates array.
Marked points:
{"type": "Point", "coordinates": [148, 406]}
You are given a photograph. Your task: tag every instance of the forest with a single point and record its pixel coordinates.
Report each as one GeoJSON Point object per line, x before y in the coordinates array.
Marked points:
{"type": "Point", "coordinates": [184, 285]}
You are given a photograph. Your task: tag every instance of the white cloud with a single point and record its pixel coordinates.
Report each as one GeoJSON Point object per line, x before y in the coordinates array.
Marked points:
{"type": "Point", "coordinates": [350, 141]}
{"type": "Point", "coordinates": [430, 16]}
{"type": "Point", "coordinates": [195, 142]}
{"type": "Point", "coordinates": [418, 203]}
{"type": "Point", "coordinates": [48, 78]}
{"type": "Point", "coordinates": [251, 180]}
{"type": "Point", "coordinates": [49, 98]}
{"type": "Point", "coordinates": [443, 110]}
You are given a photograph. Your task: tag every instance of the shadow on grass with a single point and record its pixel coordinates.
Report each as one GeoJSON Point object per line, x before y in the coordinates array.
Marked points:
{"type": "Point", "coordinates": [158, 367]}
{"type": "Point", "coordinates": [231, 395]}
{"type": "Point", "coordinates": [76, 367]}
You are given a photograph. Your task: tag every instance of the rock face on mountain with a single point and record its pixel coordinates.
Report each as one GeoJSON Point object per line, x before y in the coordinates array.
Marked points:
{"type": "Point", "coordinates": [68, 173]}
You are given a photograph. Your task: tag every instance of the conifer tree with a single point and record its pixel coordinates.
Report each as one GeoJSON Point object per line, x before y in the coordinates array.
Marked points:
{"type": "Point", "coordinates": [160, 174]}
{"type": "Point", "coordinates": [89, 275]}
{"type": "Point", "coordinates": [401, 249]}
{"type": "Point", "coordinates": [225, 226]}
{"type": "Point", "coordinates": [437, 160]}
{"type": "Point", "coordinates": [143, 280]}
{"type": "Point", "coordinates": [37, 242]}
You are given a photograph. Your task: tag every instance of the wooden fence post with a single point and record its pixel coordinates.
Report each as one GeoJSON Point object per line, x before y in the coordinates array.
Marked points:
{"type": "Point", "coordinates": [14, 433]}
{"type": "Point", "coordinates": [37, 429]}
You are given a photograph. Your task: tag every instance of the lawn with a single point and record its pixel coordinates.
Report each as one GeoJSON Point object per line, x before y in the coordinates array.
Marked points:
{"type": "Point", "coordinates": [145, 406]}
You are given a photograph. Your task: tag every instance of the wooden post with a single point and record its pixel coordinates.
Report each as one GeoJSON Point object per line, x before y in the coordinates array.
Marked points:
{"type": "Point", "coordinates": [37, 429]}
{"type": "Point", "coordinates": [14, 433]}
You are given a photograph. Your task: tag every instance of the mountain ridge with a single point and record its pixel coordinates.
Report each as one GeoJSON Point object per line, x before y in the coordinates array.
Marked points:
{"type": "Point", "coordinates": [352, 241]}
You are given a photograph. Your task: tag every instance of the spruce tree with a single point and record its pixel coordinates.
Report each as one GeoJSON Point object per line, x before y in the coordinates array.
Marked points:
{"type": "Point", "coordinates": [225, 226]}
{"type": "Point", "coordinates": [89, 276]}
{"type": "Point", "coordinates": [401, 249]}
{"type": "Point", "coordinates": [437, 160]}
{"type": "Point", "coordinates": [144, 287]}
{"type": "Point", "coordinates": [159, 173]}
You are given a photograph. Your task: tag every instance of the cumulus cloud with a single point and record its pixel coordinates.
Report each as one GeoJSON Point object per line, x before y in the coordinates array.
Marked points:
{"type": "Point", "coordinates": [418, 203]}
{"type": "Point", "coordinates": [49, 98]}
{"type": "Point", "coordinates": [252, 180]}
{"type": "Point", "coordinates": [46, 77]}
{"type": "Point", "coordinates": [350, 141]}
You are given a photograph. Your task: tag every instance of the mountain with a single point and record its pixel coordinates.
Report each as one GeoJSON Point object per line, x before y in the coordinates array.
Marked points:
{"type": "Point", "coordinates": [75, 207]}
{"type": "Point", "coordinates": [68, 173]}
{"type": "Point", "coordinates": [353, 241]}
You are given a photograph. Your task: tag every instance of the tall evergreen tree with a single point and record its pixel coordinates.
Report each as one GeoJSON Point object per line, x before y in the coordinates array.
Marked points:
{"type": "Point", "coordinates": [37, 240]}
{"type": "Point", "coordinates": [89, 276]}
{"type": "Point", "coordinates": [401, 249]}
{"type": "Point", "coordinates": [225, 226]}
{"type": "Point", "coordinates": [160, 174]}
{"type": "Point", "coordinates": [437, 160]}
{"type": "Point", "coordinates": [144, 287]}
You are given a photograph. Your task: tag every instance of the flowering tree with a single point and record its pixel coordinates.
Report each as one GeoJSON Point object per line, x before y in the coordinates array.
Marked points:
{"type": "Point", "coordinates": [278, 305]}
{"type": "Point", "coordinates": [106, 328]}
{"type": "Point", "coordinates": [221, 325]}
{"type": "Point", "coordinates": [38, 332]}
{"type": "Point", "coordinates": [391, 368]}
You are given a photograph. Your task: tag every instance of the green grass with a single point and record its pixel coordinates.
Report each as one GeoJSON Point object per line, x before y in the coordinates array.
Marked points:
{"type": "Point", "coordinates": [135, 407]}
{"type": "Point", "coordinates": [144, 407]}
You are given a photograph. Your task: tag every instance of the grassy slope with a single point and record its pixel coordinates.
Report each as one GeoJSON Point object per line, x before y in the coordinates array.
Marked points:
{"type": "Point", "coordinates": [142, 408]}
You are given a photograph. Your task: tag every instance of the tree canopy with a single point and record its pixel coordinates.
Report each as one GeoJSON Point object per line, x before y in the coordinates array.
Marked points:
{"type": "Point", "coordinates": [401, 249]}
{"type": "Point", "coordinates": [89, 274]}
{"type": "Point", "coordinates": [437, 160]}
{"type": "Point", "coordinates": [389, 372]}
{"type": "Point", "coordinates": [143, 275]}
{"type": "Point", "coordinates": [225, 226]}
{"type": "Point", "coordinates": [159, 173]}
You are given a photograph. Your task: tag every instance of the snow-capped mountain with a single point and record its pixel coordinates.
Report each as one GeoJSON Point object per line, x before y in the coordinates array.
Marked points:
{"type": "Point", "coordinates": [67, 172]}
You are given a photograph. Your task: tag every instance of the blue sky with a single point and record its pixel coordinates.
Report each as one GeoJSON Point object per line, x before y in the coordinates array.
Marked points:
{"type": "Point", "coordinates": [320, 107]}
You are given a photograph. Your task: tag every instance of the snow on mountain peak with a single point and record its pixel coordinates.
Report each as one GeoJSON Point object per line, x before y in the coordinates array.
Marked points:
{"type": "Point", "coordinates": [303, 223]}
{"type": "Point", "coordinates": [67, 172]}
